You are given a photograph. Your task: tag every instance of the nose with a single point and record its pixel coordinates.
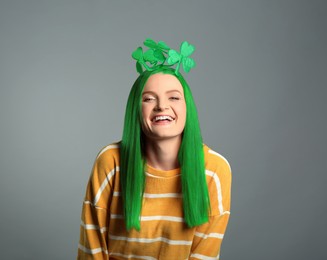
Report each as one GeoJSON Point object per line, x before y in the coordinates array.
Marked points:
{"type": "Point", "coordinates": [161, 105]}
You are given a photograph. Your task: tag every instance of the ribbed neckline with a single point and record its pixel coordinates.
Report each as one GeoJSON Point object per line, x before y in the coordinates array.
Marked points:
{"type": "Point", "coordinates": [161, 173]}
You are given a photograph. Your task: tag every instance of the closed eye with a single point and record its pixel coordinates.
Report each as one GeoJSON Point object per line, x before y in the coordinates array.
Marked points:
{"type": "Point", "coordinates": [174, 98]}
{"type": "Point", "coordinates": [148, 99]}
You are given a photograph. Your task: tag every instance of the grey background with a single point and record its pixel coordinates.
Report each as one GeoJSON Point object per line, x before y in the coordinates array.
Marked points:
{"type": "Point", "coordinates": [260, 86]}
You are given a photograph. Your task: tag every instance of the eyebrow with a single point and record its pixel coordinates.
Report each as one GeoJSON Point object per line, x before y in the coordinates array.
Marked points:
{"type": "Point", "coordinates": [167, 92]}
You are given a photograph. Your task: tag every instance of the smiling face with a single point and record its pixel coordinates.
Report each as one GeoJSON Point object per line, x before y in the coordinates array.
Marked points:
{"type": "Point", "coordinates": [163, 107]}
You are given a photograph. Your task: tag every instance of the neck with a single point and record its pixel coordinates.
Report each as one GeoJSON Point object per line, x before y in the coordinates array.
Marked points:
{"type": "Point", "coordinates": [163, 154]}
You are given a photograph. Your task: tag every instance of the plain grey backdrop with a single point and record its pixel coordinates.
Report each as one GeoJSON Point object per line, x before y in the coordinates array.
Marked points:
{"type": "Point", "coordinates": [260, 87]}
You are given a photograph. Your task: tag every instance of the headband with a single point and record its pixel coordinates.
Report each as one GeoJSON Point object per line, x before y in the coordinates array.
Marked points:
{"type": "Point", "coordinates": [160, 53]}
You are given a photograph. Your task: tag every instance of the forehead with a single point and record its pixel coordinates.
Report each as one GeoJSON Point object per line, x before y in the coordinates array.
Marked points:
{"type": "Point", "coordinates": [162, 83]}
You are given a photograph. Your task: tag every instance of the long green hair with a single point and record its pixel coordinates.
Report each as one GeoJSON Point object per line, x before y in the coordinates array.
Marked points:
{"type": "Point", "coordinates": [196, 203]}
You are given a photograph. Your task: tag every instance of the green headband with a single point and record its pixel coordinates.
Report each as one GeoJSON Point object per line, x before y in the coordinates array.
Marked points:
{"type": "Point", "coordinates": [159, 53]}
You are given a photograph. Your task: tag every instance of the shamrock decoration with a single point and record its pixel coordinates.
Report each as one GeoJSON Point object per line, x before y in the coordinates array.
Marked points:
{"type": "Point", "coordinates": [159, 53]}
{"type": "Point", "coordinates": [183, 57]}
{"type": "Point", "coordinates": [154, 55]}
{"type": "Point", "coordinates": [138, 56]}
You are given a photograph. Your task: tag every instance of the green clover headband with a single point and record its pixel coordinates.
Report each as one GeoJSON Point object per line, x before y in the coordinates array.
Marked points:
{"type": "Point", "coordinates": [159, 53]}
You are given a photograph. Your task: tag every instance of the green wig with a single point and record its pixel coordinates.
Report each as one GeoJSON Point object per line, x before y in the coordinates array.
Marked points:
{"type": "Point", "coordinates": [196, 203]}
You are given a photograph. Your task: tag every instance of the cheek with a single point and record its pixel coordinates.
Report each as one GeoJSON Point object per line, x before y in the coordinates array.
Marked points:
{"type": "Point", "coordinates": [146, 111]}
{"type": "Point", "coordinates": [182, 113]}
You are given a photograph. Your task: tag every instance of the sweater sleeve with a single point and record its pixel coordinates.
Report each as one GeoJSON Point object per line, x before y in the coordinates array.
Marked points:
{"type": "Point", "coordinates": [208, 237]}
{"type": "Point", "coordinates": [93, 243]}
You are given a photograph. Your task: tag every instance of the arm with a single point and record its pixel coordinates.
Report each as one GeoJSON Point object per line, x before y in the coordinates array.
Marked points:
{"type": "Point", "coordinates": [93, 231]}
{"type": "Point", "coordinates": [94, 221]}
{"type": "Point", "coordinates": [208, 237]}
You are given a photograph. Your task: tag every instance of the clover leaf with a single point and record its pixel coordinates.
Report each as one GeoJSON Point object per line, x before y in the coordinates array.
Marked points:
{"type": "Point", "coordinates": [150, 43]}
{"type": "Point", "coordinates": [140, 60]}
{"type": "Point", "coordinates": [158, 50]}
{"type": "Point", "coordinates": [162, 45]}
{"type": "Point", "coordinates": [187, 49]}
{"type": "Point", "coordinates": [174, 57]}
{"type": "Point", "coordinates": [138, 54]}
{"type": "Point", "coordinates": [153, 45]}
{"type": "Point", "coordinates": [159, 55]}
{"type": "Point", "coordinates": [188, 64]}
{"type": "Point", "coordinates": [139, 67]}
{"type": "Point", "coordinates": [149, 56]}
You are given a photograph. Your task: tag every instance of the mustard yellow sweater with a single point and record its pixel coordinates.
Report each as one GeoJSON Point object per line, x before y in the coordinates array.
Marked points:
{"type": "Point", "coordinates": [164, 234]}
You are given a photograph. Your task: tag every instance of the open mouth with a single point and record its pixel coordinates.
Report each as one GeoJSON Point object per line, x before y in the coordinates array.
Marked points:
{"type": "Point", "coordinates": [162, 118]}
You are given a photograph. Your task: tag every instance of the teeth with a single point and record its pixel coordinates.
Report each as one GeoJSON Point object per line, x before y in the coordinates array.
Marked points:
{"type": "Point", "coordinates": [158, 118]}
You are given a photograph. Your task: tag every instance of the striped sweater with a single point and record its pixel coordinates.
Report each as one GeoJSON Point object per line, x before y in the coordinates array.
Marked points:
{"type": "Point", "coordinates": [163, 234]}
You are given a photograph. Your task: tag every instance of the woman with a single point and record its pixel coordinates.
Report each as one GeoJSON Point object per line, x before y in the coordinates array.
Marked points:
{"type": "Point", "coordinates": [160, 193]}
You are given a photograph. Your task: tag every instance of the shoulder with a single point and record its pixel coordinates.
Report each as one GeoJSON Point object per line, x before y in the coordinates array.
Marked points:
{"type": "Point", "coordinates": [103, 176]}
{"type": "Point", "coordinates": [109, 150]}
{"type": "Point", "coordinates": [215, 162]}
{"type": "Point", "coordinates": [108, 156]}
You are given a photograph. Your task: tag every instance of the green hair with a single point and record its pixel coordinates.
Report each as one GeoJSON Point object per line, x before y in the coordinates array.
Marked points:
{"type": "Point", "coordinates": [196, 203]}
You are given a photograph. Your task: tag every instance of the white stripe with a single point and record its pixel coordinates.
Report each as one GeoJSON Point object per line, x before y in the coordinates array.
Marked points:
{"type": "Point", "coordinates": [151, 218]}
{"type": "Point", "coordinates": [160, 177]}
{"type": "Point", "coordinates": [213, 235]}
{"type": "Point", "coordinates": [104, 184]}
{"type": "Point", "coordinates": [163, 195]}
{"type": "Point", "coordinates": [93, 227]}
{"type": "Point", "coordinates": [152, 240]}
{"type": "Point", "coordinates": [219, 155]}
{"type": "Point", "coordinates": [154, 196]}
{"type": "Point", "coordinates": [218, 187]}
{"type": "Point", "coordinates": [134, 256]}
{"type": "Point", "coordinates": [111, 146]}
{"type": "Point", "coordinates": [198, 256]}
{"type": "Point", "coordinates": [90, 203]}
{"type": "Point", "coordinates": [92, 251]}
{"type": "Point", "coordinates": [167, 218]}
